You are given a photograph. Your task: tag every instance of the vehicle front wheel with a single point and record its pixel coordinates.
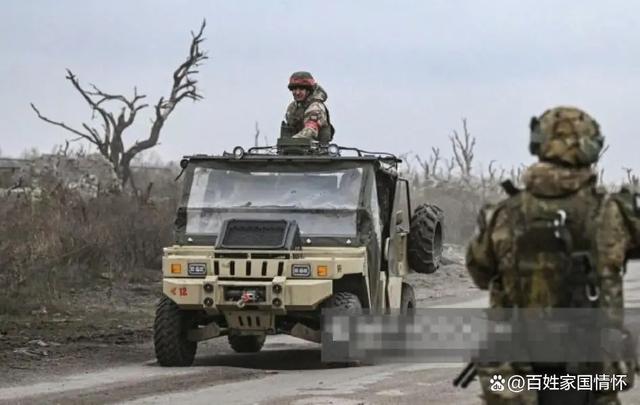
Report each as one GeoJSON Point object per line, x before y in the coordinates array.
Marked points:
{"type": "Point", "coordinates": [344, 301]}
{"type": "Point", "coordinates": [170, 329]}
{"type": "Point", "coordinates": [347, 303]}
{"type": "Point", "coordinates": [246, 343]}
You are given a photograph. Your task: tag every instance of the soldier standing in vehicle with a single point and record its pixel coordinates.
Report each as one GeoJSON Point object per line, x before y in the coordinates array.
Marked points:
{"type": "Point", "coordinates": [510, 256]}
{"type": "Point", "coordinates": [307, 116]}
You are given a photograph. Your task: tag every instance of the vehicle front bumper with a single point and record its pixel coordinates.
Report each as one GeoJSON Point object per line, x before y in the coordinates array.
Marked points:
{"type": "Point", "coordinates": [281, 294]}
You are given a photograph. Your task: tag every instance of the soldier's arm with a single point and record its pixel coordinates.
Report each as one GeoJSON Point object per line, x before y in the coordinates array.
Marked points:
{"type": "Point", "coordinates": [480, 258]}
{"type": "Point", "coordinates": [614, 239]}
{"type": "Point", "coordinates": [315, 117]}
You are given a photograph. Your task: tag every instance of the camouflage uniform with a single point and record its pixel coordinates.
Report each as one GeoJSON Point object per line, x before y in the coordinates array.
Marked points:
{"type": "Point", "coordinates": [567, 141]}
{"type": "Point", "coordinates": [309, 118]}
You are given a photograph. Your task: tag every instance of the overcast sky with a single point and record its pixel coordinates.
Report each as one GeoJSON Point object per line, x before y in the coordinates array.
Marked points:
{"type": "Point", "coordinates": [400, 74]}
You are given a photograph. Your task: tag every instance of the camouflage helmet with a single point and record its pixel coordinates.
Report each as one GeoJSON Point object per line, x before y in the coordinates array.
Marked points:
{"type": "Point", "coordinates": [566, 135]}
{"type": "Point", "coordinates": [301, 79]}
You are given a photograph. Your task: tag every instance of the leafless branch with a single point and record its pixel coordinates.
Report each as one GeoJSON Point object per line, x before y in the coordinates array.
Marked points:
{"type": "Point", "coordinates": [256, 135]}
{"type": "Point", "coordinates": [463, 149]}
{"type": "Point", "coordinates": [424, 165]}
{"type": "Point", "coordinates": [434, 159]}
{"type": "Point", "coordinates": [183, 87]}
{"type": "Point", "coordinates": [492, 171]}
{"type": "Point", "coordinates": [601, 177]}
{"type": "Point", "coordinates": [632, 179]}
{"type": "Point", "coordinates": [61, 124]}
{"type": "Point", "coordinates": [109, 139]}
{"type": "Point", "coordinates": [451, 164]}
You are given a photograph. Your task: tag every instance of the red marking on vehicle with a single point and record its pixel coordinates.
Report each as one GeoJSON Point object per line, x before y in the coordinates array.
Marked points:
{"type": "Point", "coordinates": [248, 296]}
{"type": "Point", "coordinates": [173, 291]}
{"type": "Point", "coordinates": [183, 291]}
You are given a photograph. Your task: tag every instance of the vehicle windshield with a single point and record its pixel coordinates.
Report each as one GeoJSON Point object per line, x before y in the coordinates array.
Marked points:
{"type": "Point", "coordinates": [321, 202]}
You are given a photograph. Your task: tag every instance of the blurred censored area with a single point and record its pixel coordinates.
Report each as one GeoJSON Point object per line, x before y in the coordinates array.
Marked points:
{"type": "Point", "coordinates": [485, 335]}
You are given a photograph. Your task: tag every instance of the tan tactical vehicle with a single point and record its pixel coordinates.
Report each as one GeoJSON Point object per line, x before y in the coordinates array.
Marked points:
{"type": "Point", "coordinates": [267, 238]}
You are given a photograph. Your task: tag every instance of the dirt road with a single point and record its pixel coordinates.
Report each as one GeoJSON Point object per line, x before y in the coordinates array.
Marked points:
{"type": "Point", "coordinates": [287, 371]}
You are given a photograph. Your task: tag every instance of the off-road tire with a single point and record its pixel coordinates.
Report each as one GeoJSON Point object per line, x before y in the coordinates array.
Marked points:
{"type": "Point", "coordinates": [350, 304]}
{"type": "Point", "coordinates": [407, 299]}
{"type": "Point", "coordinates": [170, 335]}
{"type": "Point", "coordinates": [246, 343]}
{"type": "Point", "coordinates": [425, 239]}
{"type": "Point", "coordinates": [345, 301]}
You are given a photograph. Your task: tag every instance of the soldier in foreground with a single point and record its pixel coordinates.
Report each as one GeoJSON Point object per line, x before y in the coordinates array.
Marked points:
{"type": "Point", "coordinates": [307, 116]}
{"type": "Point", "coordinates": [511, 255]}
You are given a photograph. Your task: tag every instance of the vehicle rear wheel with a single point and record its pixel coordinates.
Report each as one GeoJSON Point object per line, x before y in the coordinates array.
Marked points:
{"type": "Point", "coordinates": [425, 239]}
{"type": "Point", "coordinates": [170, 328]}
{"type": "Point", "coordinates": [246, 343]}
{"type": "Point", "coordinates": [407, 299]}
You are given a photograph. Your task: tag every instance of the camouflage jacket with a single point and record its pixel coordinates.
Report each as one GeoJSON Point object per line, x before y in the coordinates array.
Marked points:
{"type": "Point", "coordinates": [310, 118]}
{"type": "Point", "coordinates": [618, 239]}
{"type": "Point", "coordinates": [491, 259]}
{"type": "Point", "coordinates": [614, 233]}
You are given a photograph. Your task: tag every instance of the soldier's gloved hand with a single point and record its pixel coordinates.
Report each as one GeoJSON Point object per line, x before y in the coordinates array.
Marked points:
{"type": "Point", "coordinates": [306, 133]}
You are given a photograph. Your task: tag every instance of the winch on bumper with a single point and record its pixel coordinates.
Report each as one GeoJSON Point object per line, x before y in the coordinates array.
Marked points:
{"type": "Point", "coordinates": [277, 295]}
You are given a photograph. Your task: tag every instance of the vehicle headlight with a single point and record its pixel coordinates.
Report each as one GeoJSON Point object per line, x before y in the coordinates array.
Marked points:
{"type": "Point", "coordinates": [300, 270]}
{"type": "Point", "coordinates": [197, 269]}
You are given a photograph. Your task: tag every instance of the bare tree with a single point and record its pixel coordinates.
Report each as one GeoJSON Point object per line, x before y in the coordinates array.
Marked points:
{"type": "Point", "coordinates": [256, 136]}
{"type": "Point", "coordinates": [451, 164]}
{"type": "Point", "coordinates": [434, 159]}
{"type": "Point", "coordinates": [601, 178]}
{"type": "Point", "coordinates": [426, 169]}
{"type": "Point", "coordinates": [632, 179]}
{"type": "Point", "coordinates": [108, 139]}
{"type": "Point", "coordinates": [463, 149]}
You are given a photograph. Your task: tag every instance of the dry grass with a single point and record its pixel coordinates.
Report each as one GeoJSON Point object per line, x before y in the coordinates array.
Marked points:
{"type": "Point", "coordinates": [61, 241]}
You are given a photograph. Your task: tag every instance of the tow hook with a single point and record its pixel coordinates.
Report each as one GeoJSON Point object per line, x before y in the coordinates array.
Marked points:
{"type": "Point", "coordinates": [246, 297]}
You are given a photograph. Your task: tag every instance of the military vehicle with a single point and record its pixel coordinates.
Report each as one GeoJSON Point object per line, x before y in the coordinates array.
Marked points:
{"type": "Point", "coordinates": [266, 238]}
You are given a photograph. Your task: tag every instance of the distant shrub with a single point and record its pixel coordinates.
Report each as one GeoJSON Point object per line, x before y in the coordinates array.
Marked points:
{"type": "Point", "coordinates": [60, 239]}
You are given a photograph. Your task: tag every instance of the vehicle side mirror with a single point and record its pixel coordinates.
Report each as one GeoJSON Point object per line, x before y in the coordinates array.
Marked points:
{"type": "Point", "coordinates": [399, 217]}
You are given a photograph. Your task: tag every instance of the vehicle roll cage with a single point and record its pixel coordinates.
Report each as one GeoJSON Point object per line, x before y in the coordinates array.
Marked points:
{"type": "Point", "coordinates": [314, 152]}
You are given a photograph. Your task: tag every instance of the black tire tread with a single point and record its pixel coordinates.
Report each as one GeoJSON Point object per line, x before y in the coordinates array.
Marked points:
{"type": "Point", "coordinates": [169, 336]}
{"type": "Point", "coordinates": [344, 300]}
{"type": "Point", "coordinates": [349, 303]}
{"type": "Point", "coordinates": [423, 253]}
